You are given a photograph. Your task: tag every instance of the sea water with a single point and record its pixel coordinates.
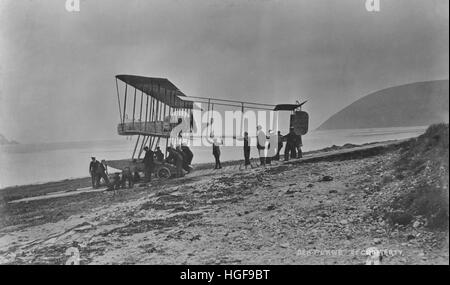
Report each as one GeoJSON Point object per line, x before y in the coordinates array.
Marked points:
{"type": "Point", "coordinates": [38, 163]}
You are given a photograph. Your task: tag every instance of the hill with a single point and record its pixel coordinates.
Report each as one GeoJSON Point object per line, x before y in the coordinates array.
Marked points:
{"type": "Point", "coordinates": [5, 141]}
{"type": "Point", "coordinates": [424, 161]}
{"type": "Point", "coordinates": [415, 104]}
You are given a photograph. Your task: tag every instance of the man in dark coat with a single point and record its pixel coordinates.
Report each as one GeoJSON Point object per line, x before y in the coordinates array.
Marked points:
{"type": "Point", "coordinates": [93, 171]}
{"type": "Point", "coordinates": [298, 146]}
{"type": "Point", "coordinates": [186, 158]}
{"type": "Point", "coordinates": [177, 160]}
{"type": "Point", "coordinates": [102, 169]}
{"type": "Point", "coordinates": [170, 156]}
{"type": "Point", "coordinates": [280, 146]}
{"type": "Point", "coordinates": [246, 150]}
{"type": "Point", "coordinates": [189, 155]}
{"type": "Point", "coordinates": [149, 163]}
{"type": "Point", "coordinates": [159, 155]}
{"type": "Point", "coordinates": [216, 153]}
{"type": "Point", "coordinates": [260, 145]}
{"type": "Point", "coordinates": [291, 142]}
{"type": "Point", "coordinates": [268, 157]}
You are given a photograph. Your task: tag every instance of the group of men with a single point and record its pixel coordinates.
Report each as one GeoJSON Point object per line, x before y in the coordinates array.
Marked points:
{"type": "Point", "coordinates": [126, 179]}
{"type": "Point", "coordinates": [98, 170]}
{"type": "Point", "coordinates": [292, 148]}
{"type": "Point", "coordinates": [181, 157]}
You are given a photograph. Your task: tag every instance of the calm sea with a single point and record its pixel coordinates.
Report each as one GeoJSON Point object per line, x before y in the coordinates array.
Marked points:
{"type": "Point", "coordinates": [37, 163]}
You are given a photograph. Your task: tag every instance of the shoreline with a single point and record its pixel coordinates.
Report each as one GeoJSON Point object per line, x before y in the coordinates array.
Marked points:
{"type": "Point", "coordinates": [195, 166]}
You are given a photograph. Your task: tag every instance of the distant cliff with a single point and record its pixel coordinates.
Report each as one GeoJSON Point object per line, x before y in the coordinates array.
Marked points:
{"type": "Point", "coordinates": [416, 104]}
{"type": "Point", "coordinates": [5, 141]}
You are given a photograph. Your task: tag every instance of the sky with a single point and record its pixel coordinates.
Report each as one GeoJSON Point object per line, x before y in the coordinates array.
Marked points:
{"type": "Point", "coordinates": [57, 68]}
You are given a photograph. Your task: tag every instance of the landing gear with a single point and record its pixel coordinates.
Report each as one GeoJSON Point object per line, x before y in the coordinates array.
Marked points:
{"type": "Point", "coordinates": [164, 173]}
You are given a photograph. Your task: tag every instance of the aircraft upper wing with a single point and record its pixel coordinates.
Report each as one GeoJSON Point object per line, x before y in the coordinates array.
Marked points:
{"type": "Point", "coordinates": [160, 88]}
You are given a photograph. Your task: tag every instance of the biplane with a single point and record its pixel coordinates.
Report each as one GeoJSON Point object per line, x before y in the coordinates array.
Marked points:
{"type": "Point", "coordinates": [150, 107]}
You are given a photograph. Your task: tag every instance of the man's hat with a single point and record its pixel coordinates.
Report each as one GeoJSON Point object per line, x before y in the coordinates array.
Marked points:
{"type": "Point", "coordinates": [92, 157]}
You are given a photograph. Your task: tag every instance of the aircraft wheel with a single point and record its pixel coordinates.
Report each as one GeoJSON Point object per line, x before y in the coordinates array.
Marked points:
{"type": "Point", "coordinates": [164, 173]}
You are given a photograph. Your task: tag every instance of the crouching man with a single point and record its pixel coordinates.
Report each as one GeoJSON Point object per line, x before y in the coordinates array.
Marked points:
{"type": "Point", "coordinates": [127, 176]}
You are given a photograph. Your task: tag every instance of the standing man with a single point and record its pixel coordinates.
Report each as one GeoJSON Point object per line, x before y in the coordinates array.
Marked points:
{"type": "Point", "coordinates": [246, 150]}
{"type": "Point", "coordinates": [105, 166]}
{"type": "Point", "coordinates": [93, 171]}
{"type": "Point", "coordinates": [148, 163]}
{"type": "Point", "coordinates": [261, 145]}
{"type": "Point", "coordinates": [102, 173]}
{"type": "Point", "coordinates": [246, 140]}
{"type": "Point", "coordinates": [170, 157]}
{"type": "Point", "coordinates": [299, 145]}
{"type": "Point", "coordinates": [280, 145]}
{"type": "Point", "coordinates": [266, 152]}
{"type": "Point", "coordinates": [159, 155]}
{"type": "Point", "coordinates": [216, 153]}
{"type": "Point", "coordinates": [291, 141]}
